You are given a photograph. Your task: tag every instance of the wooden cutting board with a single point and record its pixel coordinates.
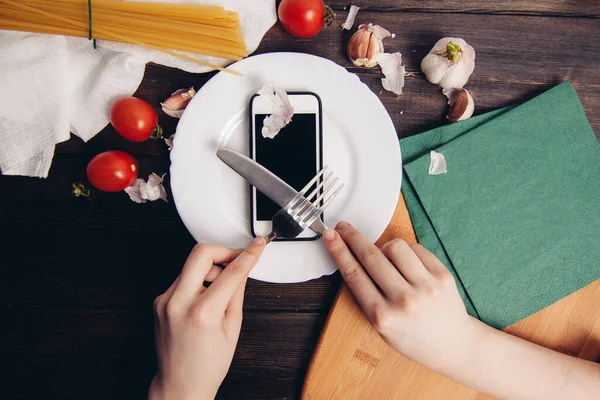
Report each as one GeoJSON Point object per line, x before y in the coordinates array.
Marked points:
{"type": "Point", "coordinates": [351, 361]}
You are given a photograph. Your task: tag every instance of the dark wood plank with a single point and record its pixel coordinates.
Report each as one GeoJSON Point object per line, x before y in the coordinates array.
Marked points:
{"type": "Point", "coordinates": [104, 353]}
{"type": "Point", "coordinates": [559, 8]}
{"type": "Point", "coordinates": [122, 269]}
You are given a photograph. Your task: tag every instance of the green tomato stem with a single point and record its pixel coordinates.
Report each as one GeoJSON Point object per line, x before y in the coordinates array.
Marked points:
{"type": "Point", "coordinates": [329, 16]}
{"type": "Point", "coordinates": [80, 190]}
{"type": "Point", "coordinates": [157, 132]}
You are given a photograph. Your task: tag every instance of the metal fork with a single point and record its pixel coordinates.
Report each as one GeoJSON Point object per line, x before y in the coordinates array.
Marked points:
{"type": "Point", "coordinates": [302, 211]}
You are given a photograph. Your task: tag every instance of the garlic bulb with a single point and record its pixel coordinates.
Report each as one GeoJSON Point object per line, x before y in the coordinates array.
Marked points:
{"type": "Point", "coordinates": [461, 103]}
{"type": "Point", "coordinates": [365, 44]}
{"type": "Point", "coordinates": [449, 63]}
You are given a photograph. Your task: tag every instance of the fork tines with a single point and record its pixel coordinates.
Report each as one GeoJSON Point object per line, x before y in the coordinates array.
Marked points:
{"type": "Point", "coordinates": [305, 210]}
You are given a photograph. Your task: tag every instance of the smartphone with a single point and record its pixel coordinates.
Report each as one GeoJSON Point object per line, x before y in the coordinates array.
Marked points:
{"type": "Point", "coordinates": [295, 154]}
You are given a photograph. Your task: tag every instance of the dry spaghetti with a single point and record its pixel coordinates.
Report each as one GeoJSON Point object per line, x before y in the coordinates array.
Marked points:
{"type": "Point", "coordinates": [171, 28]}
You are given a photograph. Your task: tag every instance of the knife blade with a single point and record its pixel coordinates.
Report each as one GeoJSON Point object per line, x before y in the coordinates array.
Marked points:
{"type": "Point", "coordinates": [264, 180]}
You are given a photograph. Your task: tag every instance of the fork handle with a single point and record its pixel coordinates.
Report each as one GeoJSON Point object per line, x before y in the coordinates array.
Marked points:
{"type": "Point", "coordinates": [270, 237]}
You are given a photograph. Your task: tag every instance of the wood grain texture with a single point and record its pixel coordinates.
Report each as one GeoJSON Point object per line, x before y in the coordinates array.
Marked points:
{"type": "Point", "coordinates": [68, 264]}
{"type": "Point", "coordinates": [106, 353]}
{"type": "Point", "coordinates": [558, 8]}
{"type": "Point", "coordinates": [351, 361]}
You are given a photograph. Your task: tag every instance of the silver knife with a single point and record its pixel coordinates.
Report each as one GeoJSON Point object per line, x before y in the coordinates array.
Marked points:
{"type": "Point", "coordinates": [264, 180]}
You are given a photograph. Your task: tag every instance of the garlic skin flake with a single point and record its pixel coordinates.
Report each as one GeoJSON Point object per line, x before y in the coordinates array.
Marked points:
{"type": "Point", "coordinates": [134, 191]}
{"type": "Point", "coordinates": [153, 189]}
{"type": "Point", "coordinates": [169, 141]}
{"type": "Point", "coordinates": [437, 163]}
{"type": "Point", "coordinates": [282, 111]}
{"type": "Point", "coordinates": [366, 44]}
{"type": "Point", "coordinates": [175, 105]}
{"type": "Point", "coordinates": [449, 63]}
{"type": "Point", "coordinates": [351, 17]}
{"type": "Point", "coordinates": [142, 191]}
{"type": "Point", "coordinates": [392, 68]}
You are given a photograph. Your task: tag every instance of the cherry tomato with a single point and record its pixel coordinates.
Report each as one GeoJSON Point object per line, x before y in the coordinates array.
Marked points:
{"type": "Point", "coordinates": [112, 171]}
{"type": "Point", "coordinates": [134, 119]}
{"type": "Point", "coordinates": [302, 18]}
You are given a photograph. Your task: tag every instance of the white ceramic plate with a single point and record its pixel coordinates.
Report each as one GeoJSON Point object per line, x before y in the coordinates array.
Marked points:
{"type": "Point", "coordinates": [359, 144]}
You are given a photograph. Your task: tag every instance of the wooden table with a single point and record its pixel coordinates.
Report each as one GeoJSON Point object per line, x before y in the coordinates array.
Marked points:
{"type": "Point", "coordinates": [77, 278]}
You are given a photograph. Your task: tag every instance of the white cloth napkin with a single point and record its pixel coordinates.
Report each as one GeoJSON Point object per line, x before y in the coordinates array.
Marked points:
{"type": "Point", "coordinates": [52, 85]}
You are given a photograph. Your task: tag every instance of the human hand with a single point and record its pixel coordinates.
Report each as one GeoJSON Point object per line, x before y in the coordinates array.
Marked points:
{"type": "Point", "coordinates": [407, 294]}
{"type": "Point", "coordinates": [197, 328]}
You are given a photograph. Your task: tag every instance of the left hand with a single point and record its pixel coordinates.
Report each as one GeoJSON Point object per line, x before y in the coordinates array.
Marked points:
{"type": "Point", "coordinates": [197, 328]}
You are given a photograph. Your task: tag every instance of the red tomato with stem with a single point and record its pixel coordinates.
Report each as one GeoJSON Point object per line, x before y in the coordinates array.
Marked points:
{"type": "Point", "coordinates": [302, 18]}
{"type": "Point", "coordinates": [135, 119]}
{"type": "Point", "coordinates": [112, 171]}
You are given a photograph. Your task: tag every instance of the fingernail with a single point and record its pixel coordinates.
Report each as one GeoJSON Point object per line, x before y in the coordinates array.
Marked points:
{"type": "Point", "coordinates": [329, 234]}
{"type": "Point", "coordinates": [342, 225]}
{"type": "Point", "coordinates": [258, 241]}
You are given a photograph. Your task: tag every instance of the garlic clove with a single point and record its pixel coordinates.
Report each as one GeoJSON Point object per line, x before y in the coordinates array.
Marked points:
{"type": "Point", "coordinates": [365, 44]}
{"type": "Point", "coordinates": [361, 48]}
{"type": "Point", "coordinates": [449, 63]}
{"type": "Point", "coordinates": [461, 103]}
{"type": "Point", "coordinates": [175, 105]}
{"type": "Point", "coordinates": [173, 113]}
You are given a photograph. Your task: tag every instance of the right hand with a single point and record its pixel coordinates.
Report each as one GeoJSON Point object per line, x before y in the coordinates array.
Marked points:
{"type": "Point", "coordinates": [407, 294]}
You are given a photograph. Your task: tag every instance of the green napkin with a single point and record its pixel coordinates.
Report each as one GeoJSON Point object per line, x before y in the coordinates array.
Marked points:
{"type": "Point", "coordinates": [516, 218]}
{"type": "Point", "coordinates": [414, 147]}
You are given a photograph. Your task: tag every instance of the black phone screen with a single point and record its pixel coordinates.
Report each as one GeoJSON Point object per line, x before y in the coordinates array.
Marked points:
{"type": "Point", "coordinates": [291, 155]}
